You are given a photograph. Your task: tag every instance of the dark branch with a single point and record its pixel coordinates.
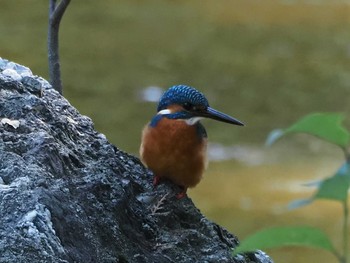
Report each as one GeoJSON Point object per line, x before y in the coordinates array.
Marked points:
{"type": "Point", "coordinates": [56, 12]}
{"type": "Point", "coordinates": [55, 15]}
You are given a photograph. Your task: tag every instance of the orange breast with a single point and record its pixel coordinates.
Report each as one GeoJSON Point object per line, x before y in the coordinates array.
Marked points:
{"type": "Point", "coordinates": [174, 150]}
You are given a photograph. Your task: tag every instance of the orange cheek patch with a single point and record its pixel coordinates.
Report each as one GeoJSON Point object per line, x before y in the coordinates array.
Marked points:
{"type": "Point", "coordinates": [175, 108]}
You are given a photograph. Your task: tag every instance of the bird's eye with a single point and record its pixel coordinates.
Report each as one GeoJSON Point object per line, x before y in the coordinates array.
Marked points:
{"type": "Point", "coordinates": [188, 106]}
{"type": "Point", "coordinates": [191, 107]}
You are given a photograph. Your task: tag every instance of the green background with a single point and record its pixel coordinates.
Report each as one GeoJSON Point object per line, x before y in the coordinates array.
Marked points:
{"type": "Point", "coordinates": [267, 63]}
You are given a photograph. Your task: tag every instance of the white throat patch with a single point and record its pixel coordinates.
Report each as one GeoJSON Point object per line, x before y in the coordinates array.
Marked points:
{"type": "Point", "coordinates": [193, 120]}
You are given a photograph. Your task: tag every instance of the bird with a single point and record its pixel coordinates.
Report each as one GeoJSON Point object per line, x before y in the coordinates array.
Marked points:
{"type": "Point", "coordinates": [174, 143]}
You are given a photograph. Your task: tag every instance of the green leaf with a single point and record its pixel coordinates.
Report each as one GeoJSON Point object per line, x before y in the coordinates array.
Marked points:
{"type": "Point", "coordinates": [332, 188]}
{"type": "Point", "coordinates": [286, 236]}
{"type": "Point", "coordinates": [273, 136]}
{"type": "Point", "coordinates": [335, 187]}
{"type": "Point", "coordinates": [326, 126]}
{"type": "Point", "coordinates": [299, 203]}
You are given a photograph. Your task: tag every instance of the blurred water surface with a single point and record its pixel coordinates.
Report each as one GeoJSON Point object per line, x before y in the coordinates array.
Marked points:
{"type": "Point", "coordinates": [267, 63]}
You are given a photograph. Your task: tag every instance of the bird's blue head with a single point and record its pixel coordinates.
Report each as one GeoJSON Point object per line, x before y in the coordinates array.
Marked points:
{"type": "Point", "coordinates": [186, 103]}
{"type": "Point", "coordinates": [182, 95]}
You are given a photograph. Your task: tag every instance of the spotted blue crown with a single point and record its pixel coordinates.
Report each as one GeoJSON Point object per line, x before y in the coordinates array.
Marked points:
{"type": "Point", "coordinates": [182, 94]}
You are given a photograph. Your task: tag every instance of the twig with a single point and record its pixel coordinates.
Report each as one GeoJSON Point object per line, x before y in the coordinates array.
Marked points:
{"type": "Point", "coordinates": [55, 15]}
{"type": "Point", "coordinates": [159, 205]}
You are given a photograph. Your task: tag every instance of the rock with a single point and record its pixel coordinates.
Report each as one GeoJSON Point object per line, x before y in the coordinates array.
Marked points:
{"type": "Point", "coordinates": [68, 195]}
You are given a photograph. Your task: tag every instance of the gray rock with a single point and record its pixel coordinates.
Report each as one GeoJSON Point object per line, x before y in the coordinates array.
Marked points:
{"type": "Point", "coordinates": [68, 195]}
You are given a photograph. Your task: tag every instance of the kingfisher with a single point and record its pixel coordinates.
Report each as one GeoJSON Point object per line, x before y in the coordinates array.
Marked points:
{"type": "Point", "coordinates": [174, 142]}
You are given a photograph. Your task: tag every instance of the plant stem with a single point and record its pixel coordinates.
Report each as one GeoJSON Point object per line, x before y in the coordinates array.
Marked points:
{"type": "Point", "coordinates": [346, 154]}
{"type": "Point", "coordinates": [345, 231]}
{"type": "Point", "coordinates": [345, 257]}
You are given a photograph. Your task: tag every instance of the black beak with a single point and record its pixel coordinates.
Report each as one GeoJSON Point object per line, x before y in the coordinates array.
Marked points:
{"type": "Point", "coordinates": [219, 116]}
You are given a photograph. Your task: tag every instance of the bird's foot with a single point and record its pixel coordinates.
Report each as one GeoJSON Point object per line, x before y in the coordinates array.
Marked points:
{"type": "Point", "coordinates": [156, 180]}
{"type": "Point", "coordinates": [182, 194]}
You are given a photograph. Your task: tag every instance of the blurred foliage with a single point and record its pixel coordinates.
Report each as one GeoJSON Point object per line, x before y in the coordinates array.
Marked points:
{"type": "Point", "coordinates": [286, 236]}
{"type": "Point", "coordinates": [328, 127]}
